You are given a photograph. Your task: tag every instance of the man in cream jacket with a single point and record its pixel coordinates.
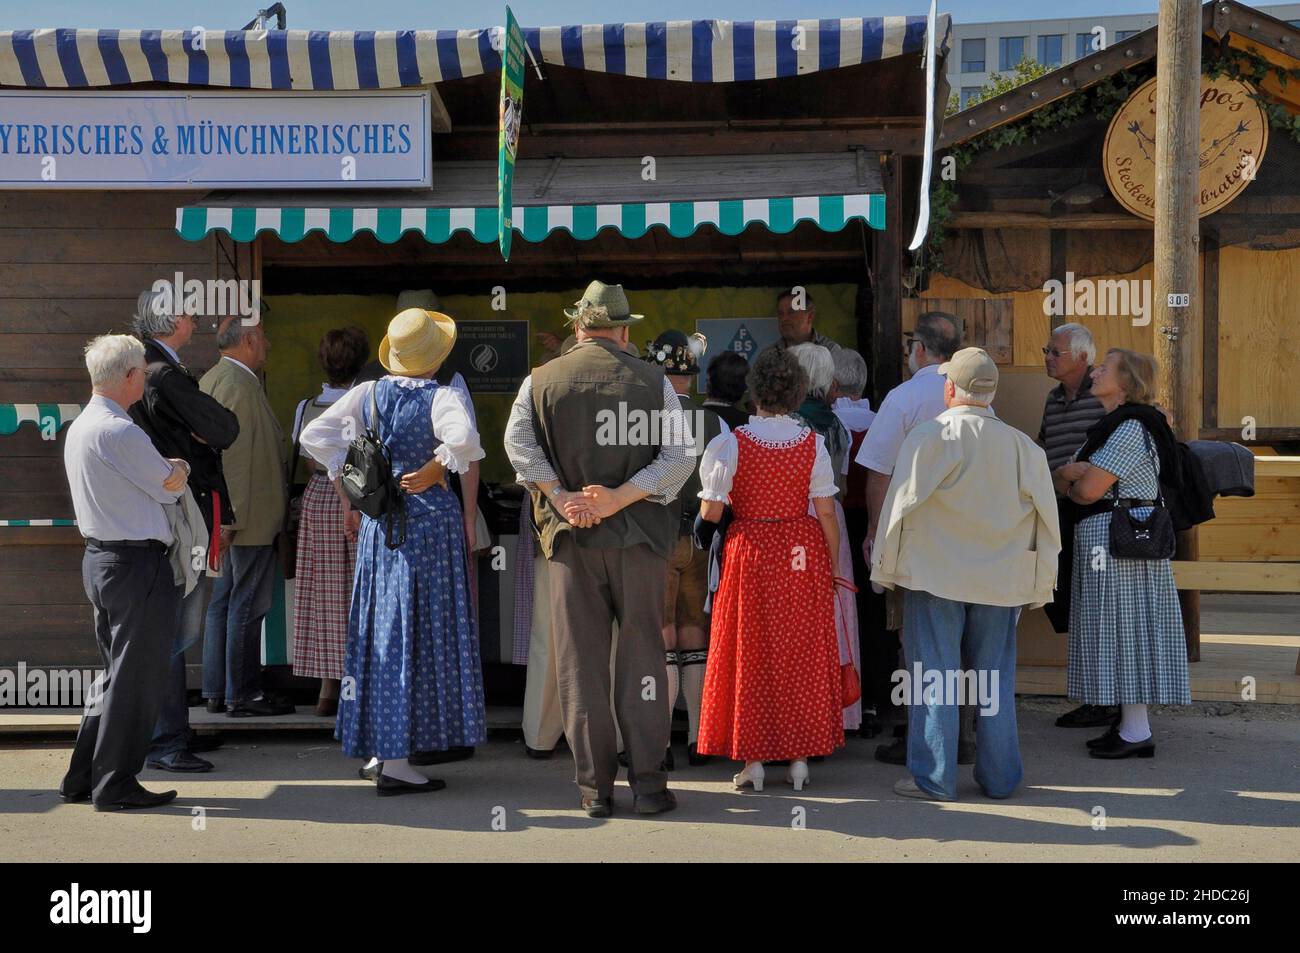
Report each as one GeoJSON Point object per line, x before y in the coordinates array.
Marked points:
{"type": "Point", "coordinates": [969, 531]}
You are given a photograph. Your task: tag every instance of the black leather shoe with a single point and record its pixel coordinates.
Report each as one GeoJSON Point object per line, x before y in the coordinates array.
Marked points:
{"type": "Point", "coordinates": [200, 744]}
{"type": "Point", "coordinates": [1089, 716]}
{"type": "Point", "coordinates": [694, 758]}
{"type": "Point", "coordinates": [658, 803]}
{"type": "Point", "coordinates": [541, 754]}
{"type": "Point", "coordinates": [216, 706]}
{"type": "Point", "coordinates": [140, 800]}
{"type": "Point", "coordinates": [895, 753]}
{"type": "Point", "coordinates": [422, 759]}
{"type": "Point", "coordinates": [371, 773]}
{"type": "Point", "coordinates": [598, 807]}
{"type": "Point", "coordinates": [181, 762]}
{"type": "Point", "coordinates": [390, 787]}
{"type": "Point", "coordinates": [1119, 748]}
{"type": "Point", "coordinates": [259, 708]}
{"type": "Point", "coordinates": [1106, 740]}
{"type": "Point", "coordinates": [74, 797]}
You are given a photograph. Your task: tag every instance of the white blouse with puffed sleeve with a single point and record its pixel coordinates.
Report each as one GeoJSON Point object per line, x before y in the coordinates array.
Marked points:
{"type": "Point", "coordinates": [327, 437]}
{"type": "Point", "coordinates": [718, 465]}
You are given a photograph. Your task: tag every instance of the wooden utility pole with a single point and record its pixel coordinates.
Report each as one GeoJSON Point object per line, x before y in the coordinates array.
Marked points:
{"type": "Point", "coordinates": [1177, 319]}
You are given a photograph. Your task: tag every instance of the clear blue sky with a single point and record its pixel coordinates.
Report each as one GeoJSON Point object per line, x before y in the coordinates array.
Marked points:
{"type": "Point", "coordinates": [438, 14]}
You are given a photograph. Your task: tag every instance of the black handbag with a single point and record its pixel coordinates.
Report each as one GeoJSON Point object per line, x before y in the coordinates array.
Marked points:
{"type": "Point", "coordinates": [1134, 538]}
{"type": "Point", "coordinates": [367, 479]}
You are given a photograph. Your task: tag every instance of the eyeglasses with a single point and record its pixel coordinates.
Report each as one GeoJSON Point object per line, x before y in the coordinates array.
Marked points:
{"type": "Point", "coordinates": [1053, 351]}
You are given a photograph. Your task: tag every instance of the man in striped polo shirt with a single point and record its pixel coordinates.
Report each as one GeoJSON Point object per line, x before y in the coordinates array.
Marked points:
{"type": "Point", "coordinates": [1070, 411]}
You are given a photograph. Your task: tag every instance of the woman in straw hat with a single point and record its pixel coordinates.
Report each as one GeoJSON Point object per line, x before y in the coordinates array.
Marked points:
{"type": "Point", "coordinates": [411, 674]}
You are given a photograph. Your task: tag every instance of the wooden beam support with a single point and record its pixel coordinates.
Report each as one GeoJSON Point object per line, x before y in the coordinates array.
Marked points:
{"type": "Point", "coordinates": [1057, 84]}
{"type": "Point", "coordinates": [1091, 221]}
{"type": "Point", "coordinates": [1237, 577]}
{"type": "Point", "coordinates": [1263, 435]}
{"type": "Point", "coordinates": [1177, 232]}
{"type": "Point", "coordinates": [886, 269]}
{"type": "Point", "coordinates": [1242, 22]}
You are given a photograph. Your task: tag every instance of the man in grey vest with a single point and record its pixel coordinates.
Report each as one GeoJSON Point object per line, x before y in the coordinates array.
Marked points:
{"type": "Point", "coordinates": [591, 436]}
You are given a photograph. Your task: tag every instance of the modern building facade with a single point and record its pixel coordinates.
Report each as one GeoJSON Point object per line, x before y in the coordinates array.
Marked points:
{"type": "Point", "coordinates": [982, 49]}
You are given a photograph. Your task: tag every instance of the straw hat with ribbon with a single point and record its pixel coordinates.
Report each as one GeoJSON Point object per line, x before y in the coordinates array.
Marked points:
{"type": "Point", "coordinates": [417, 342]}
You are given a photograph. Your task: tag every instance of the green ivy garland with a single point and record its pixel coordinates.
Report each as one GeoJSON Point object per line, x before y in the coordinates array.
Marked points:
{"type": "Point", "coordinates": [1248, 66]}
{"type": "Point", "coordinates": [1101, 101]}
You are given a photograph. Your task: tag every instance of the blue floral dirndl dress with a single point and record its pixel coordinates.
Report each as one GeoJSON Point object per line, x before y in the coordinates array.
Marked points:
{"type": "Point", "coordinates": [412, 638]}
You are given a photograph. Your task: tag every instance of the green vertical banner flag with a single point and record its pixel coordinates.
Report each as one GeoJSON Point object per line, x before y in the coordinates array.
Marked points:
{"type": "Point", "coordinates": [512, 112]}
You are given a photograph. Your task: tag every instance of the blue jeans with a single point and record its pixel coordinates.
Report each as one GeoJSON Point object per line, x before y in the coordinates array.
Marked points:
{"type": "Point", "coordinates": [232, 637]}
{"type": "Point", "coordinates": [172, 733]}
{"type": "Point", "coordinates": [938, 633]}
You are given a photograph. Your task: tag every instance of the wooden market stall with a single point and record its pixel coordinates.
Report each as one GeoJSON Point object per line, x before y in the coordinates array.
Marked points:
{"type": "Point", "coordinates": [704, 165]}
{"type": "Point", "coordinates": [1030, 203]}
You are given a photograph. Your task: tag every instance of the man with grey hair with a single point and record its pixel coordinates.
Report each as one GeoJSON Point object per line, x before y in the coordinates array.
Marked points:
{"type": "Point", "coordinates": [1069, 413]}
{"type": "Point", "coordinates": [119, 484]}
{"type": "Point", "coordinates": [183, 422]}
{"type": "Point", "coordinates": [968, 532]}
{"type": "Point", "coordinates": [255, 470]}
{"type": "Point", "coordinates": [601, 505]}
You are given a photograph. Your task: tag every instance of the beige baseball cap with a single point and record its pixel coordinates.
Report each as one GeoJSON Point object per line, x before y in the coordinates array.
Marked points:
{"type": "Point", "coordinates": [972, 370]}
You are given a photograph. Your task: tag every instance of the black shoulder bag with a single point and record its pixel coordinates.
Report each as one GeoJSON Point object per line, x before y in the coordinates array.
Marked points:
{"type": "Point", "coordinates": [1133, 538]}
{"type": "Point", "coordinates": [367, 478]}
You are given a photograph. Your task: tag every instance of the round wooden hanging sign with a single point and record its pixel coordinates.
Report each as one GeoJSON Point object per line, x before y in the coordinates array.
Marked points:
{"type": "Point", "coordinates": [1234, 135]}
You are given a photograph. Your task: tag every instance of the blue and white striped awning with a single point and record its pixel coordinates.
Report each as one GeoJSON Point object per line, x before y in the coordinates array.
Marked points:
{"type": "Point", "coordinates": [698, 51]}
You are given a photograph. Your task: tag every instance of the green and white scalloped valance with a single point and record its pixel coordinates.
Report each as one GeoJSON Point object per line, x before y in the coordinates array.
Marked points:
{"type": "Point", "coordinates": [42, 415]}
{"type": "Point", "coordinates": [534, 222]}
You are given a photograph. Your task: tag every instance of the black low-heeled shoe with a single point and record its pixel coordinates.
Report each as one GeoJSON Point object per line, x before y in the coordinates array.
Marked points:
{"type": "Point", "coordinates": [1106, 740]}
{"type": "Point", "coordinates": [422, 759]}
{"type": "Point", "coordinates": [388, 787]}
{"type": "Point", "coordinates": [1089, 716]}
{"type": "Point", "coordinates": [1119, 748]}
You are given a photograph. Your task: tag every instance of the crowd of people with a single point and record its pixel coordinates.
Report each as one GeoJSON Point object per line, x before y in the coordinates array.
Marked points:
{"type": "Point", "coordinates": [777, 558]}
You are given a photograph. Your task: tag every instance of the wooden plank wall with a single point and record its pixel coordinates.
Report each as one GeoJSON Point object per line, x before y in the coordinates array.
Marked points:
{"type": "Point", "coordinates": [1259, 354]}
{"type": "Point", "coordinates": [71, 266]}
{"type": "Point", "coordinates": [1259, 337]}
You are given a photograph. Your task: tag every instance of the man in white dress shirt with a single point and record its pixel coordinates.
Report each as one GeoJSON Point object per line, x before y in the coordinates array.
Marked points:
{"type": "Point", "coordinates": [918, 399]}
{"type": "Point", "coordinates": [119, 484]}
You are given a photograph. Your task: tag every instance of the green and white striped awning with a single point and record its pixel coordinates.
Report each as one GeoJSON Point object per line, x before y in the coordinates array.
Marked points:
{"type": "Point", "coordinates": [533, 222]}
{"type": "Point", "coordinates": [42, 415]}
{"type": "Point", "coordinates": [580, 196]}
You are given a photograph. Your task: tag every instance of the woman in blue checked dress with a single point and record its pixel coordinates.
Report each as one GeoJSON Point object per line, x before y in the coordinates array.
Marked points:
{"type": "Point", "coordinates": [412, 680]}
{"type": "Point", "coordinates": [1126, 630]}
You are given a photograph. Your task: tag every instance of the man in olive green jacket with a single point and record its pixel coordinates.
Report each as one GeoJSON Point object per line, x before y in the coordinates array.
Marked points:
{"type": "Point", "coordinates": [254, 467]}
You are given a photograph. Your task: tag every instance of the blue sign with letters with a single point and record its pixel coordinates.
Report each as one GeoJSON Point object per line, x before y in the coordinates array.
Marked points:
{"type": "Point", "coordinates": [239, 139]}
